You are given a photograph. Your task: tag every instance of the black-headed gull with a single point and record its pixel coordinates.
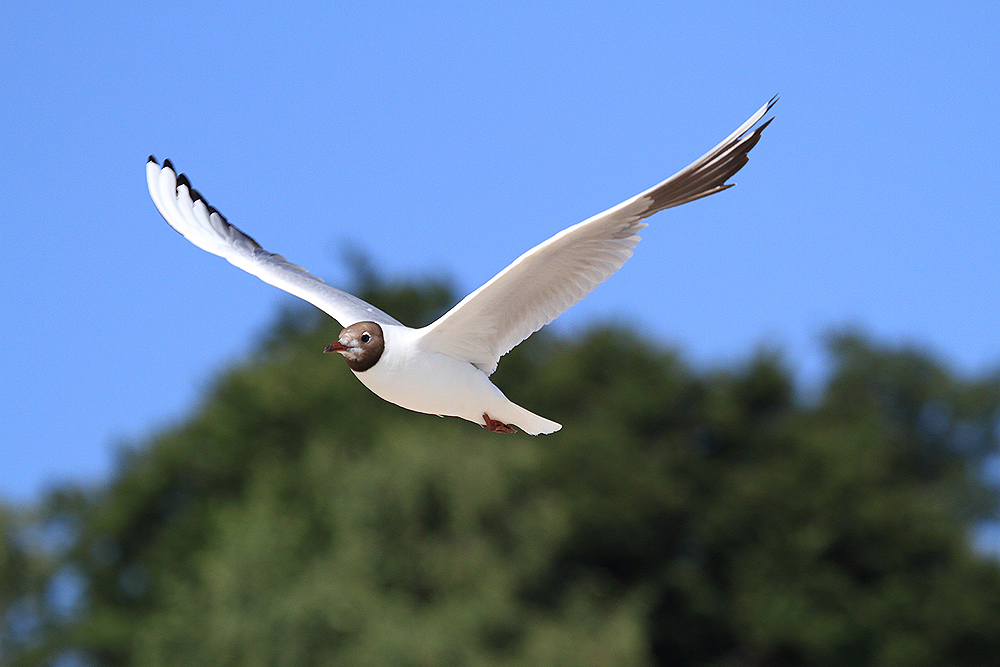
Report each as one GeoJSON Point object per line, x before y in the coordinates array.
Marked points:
{"type": "Point", "coordinates": [444, 367]}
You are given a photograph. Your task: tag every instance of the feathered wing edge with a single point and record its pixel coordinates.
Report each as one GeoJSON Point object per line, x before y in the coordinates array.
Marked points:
{"type": "Point", "coordinates": [195, 219]}
{"type": "Point", "coordinates": [709, 173]}
{"type": "Point", "coordinates": [554, 275]}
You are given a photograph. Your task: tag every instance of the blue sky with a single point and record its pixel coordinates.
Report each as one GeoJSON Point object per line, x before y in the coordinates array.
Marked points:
{"type": "Point", "coordinates": [444, 140]}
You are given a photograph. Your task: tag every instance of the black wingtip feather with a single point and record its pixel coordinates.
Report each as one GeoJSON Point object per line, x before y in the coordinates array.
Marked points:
{"type": "Point", "coordinates": [153, 160]}
{"type": "Point", "coordinates": [167, 164]}
{"type": "Point", "coordinates": [212, 209]}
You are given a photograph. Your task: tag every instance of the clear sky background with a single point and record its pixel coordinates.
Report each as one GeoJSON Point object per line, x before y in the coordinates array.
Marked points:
{"type": "Point", "coordinates": [444, 139]}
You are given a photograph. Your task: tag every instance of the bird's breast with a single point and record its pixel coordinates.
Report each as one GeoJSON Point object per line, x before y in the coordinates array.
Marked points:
{"type": "Point", "coordinates": [427, 382]}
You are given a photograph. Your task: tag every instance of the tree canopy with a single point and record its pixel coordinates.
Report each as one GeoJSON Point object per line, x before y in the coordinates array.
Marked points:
{"type": "Point", "coordinates": [681, 517]}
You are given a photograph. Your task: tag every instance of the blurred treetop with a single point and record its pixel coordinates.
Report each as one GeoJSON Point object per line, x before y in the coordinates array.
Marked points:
{"type": "Point", "coordinates": [679, 518]}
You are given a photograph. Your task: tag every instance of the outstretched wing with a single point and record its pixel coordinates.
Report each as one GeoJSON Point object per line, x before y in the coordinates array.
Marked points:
{"type": "Point", "coordinates": [543, 282]}
{"type": "Point", "coordinates": [188, 212]}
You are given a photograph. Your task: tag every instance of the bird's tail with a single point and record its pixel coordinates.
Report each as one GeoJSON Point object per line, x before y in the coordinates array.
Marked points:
{"type": "Point", "coordinates": [531, 423]}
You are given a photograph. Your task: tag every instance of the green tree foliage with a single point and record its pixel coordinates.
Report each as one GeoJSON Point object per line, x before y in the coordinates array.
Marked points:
{"type": "Point", "coordinates": [679, 518]}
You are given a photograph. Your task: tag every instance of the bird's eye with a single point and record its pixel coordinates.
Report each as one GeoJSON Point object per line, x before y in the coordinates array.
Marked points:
{"type": "Point", "coordinates": [366, 337]}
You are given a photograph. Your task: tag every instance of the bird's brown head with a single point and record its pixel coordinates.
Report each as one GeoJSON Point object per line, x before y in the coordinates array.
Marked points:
{"type": "Point", "coordinates": [361, 344]}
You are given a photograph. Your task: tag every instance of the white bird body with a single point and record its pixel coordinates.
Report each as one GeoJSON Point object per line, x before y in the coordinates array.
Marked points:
{"type": "Point", "coordinates": [437, 384]}
{"type": "Point", "coordinates": [444, 368]}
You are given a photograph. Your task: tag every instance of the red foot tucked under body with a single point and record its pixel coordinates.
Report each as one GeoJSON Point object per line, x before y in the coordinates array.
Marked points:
{"type": "Point", "coordinates": [497, 427]}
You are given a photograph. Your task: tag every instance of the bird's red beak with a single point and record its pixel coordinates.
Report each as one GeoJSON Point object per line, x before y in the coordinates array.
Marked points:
{"type": "Point", "coordinates": [335, 347]}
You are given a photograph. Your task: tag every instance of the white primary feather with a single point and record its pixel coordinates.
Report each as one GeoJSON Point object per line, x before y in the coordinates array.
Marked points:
{"type": "Point", "coordinates": [188, 213]}
{"type": "Point", "coordinates": [543, 282]}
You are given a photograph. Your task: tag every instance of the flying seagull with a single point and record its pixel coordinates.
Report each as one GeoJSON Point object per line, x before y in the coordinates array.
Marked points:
{"type": "Point", "coordinates": [444, 367]}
